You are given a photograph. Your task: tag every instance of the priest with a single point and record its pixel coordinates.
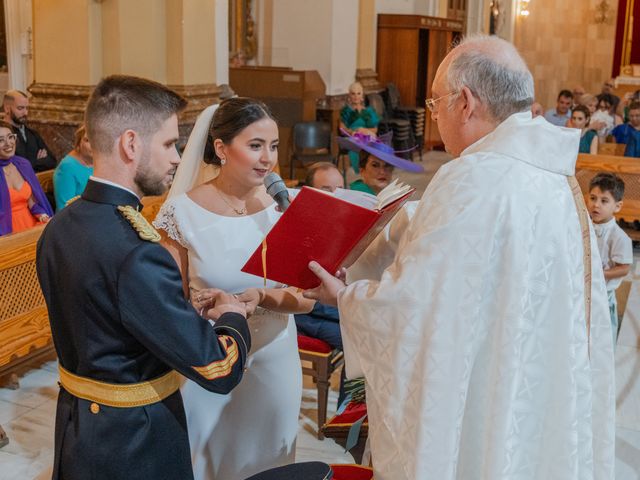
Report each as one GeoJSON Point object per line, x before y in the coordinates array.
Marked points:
{"type": "Point", "coordinates": [485, 341]}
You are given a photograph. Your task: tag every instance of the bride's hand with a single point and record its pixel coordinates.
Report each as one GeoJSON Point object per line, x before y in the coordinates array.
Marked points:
{"type": "Point", "coordinates": [251, 297]}
{"type": "Point", "coordinates": [202, 299]}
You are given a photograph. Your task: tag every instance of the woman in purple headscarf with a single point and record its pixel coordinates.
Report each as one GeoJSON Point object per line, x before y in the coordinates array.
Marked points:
{"type": "Point", "coordinates": [23, 204]}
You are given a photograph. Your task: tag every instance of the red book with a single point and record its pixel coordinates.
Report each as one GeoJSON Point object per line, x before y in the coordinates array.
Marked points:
{"type": "Point", "coordinates": [322, 227]}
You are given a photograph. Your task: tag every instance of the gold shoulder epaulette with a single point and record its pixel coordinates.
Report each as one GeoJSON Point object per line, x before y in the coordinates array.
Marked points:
{"type": "Point", "coordinates": [139, 223]}
{"type": "Point", "coordinates": [71, 200]}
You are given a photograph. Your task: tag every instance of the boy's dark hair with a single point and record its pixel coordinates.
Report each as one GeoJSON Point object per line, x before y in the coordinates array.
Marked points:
{"type": "Point", "coordinates": [608, 182]}
{"type": "Point", "coordinates": [565, 93]}
{"type": "Point", "coordinates": [122, 102]}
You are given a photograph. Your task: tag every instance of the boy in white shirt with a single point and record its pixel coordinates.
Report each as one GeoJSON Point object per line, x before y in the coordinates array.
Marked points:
{"type": "Point", "coordinates": [616, 250]}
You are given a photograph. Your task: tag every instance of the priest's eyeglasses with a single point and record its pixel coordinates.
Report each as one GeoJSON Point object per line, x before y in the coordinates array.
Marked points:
{"type": "Point", "coordinates": [431, 103]}
{"type": "Point", "coordinates": [11, 138]}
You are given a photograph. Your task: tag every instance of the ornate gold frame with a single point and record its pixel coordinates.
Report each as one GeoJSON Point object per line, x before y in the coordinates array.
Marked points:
{"type": "Point", "coordinates": [242, 34]}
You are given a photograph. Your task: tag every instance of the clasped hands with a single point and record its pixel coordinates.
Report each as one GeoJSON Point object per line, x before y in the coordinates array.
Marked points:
{"type": "Point", "coordinates": [213, 302]}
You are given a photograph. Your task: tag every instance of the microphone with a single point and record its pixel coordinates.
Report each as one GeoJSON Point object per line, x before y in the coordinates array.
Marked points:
{"type": "Point", "coordinates": [277, 190]}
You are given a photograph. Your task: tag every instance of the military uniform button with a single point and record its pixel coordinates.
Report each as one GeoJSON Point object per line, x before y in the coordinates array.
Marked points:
{"type": "Point", "coordinates": [95, 408]}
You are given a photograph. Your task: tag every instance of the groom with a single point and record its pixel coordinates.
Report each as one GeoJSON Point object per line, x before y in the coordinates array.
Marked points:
{"type": "Point", "coordinates": [120, 323]}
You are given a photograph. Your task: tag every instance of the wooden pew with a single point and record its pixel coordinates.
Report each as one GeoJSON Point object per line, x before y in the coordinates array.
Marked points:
{"type": "Point", "coordinates": [46, 180]}
{"type": "Point", "coordinates": [628, 169]}
{"type": "Point", "coordinates": [609, 148]}
{"type": "Point", "coordinates": [25, 335]}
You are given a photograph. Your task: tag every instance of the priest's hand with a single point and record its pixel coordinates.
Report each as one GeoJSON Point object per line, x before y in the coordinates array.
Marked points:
{"type": "Point", "coordinates": [327, 292]}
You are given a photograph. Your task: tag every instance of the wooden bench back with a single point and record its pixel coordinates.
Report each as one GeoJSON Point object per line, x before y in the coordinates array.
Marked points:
{"type": "Point", "coordinates": [616, 149]}
{"type": "Point", "coordinates": [46, 180]}
{"type": "Point", "coordinates": [628, 169]}
{"type": "Point", "coordinates": [24, 323]}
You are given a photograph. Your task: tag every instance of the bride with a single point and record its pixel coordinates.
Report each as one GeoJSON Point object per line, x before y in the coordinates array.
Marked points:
{"type": "Point", "coordinates": [215, 216]}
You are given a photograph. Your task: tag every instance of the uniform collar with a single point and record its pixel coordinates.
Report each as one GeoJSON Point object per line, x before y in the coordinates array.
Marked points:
{"type": "Point", "coordinates": [101, 192]}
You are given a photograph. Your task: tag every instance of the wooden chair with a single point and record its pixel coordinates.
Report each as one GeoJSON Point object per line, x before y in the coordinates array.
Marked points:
{"type": "Point", "coordinates": [628, 169]}
{"type": "Point", "coordinates": [324, 361]}
{"type": "Point", "coordinates": [25, 335]}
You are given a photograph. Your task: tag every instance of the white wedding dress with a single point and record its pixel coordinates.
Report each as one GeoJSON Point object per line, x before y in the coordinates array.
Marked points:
{"type": "Point", "coordinates": [254, 427]}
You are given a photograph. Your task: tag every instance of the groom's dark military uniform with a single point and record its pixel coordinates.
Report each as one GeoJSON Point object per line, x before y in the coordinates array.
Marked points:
{"type": "Point", "coordinates": [121, 326]}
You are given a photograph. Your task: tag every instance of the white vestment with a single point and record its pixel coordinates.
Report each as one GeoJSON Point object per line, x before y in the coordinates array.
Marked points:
{"type": "Point", "coordinates": [473, 341]}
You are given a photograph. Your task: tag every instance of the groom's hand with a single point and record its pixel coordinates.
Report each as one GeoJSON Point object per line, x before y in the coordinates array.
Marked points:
{"type": "Point", "coordinates": [224, 303]}
{"type": "Point", "coordinates": [327, 292]}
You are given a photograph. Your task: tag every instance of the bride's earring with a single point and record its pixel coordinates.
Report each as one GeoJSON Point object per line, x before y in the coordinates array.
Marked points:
{"type": "Point", "coordinates": [223, 161]}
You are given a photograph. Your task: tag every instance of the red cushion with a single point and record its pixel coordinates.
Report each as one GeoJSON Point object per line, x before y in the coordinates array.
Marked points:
{"type": "Point", "coordinates": [352, 413]}
{"type": "Point", "coordinates": [313, 344]}
{"type": "Point", "coordinates": [351, 472]}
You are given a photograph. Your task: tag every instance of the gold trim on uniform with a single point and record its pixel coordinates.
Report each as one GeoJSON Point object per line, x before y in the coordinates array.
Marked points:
{"type": "Point", "coordinates": [221, 368]}
{"type": "Point", "coordinates": [139, 223]}
{"type": "Point", "coordinates": [119, 395]}
{"type": "Point", "coordinates": [71, 200]}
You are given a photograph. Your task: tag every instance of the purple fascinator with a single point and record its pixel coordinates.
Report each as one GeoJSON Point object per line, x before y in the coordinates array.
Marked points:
{"type": "Point", "coordinates": [380, 147]}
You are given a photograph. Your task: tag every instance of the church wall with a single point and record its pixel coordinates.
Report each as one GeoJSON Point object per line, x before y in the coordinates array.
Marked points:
{"type": "Point", "coordinates": [564, 47]}
{"type": "Point", "coordinates": [312, 35]}
{"type": "Point", "coordinates": [74, 57]}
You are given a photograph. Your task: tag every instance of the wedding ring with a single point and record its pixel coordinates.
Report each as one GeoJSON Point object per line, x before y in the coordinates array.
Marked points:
{"type": "Point", "coordinates": [199, 298]}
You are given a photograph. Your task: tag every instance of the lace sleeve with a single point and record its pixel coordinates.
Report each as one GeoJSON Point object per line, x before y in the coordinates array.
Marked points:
{"type": "Point", "coordinates": [166, 220]}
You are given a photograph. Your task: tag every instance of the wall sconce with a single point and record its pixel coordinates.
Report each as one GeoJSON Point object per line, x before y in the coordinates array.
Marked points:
{"type": "Point", "coordinates": [603, 12]}
{"type": "Point", "coordinates": [523, 8]}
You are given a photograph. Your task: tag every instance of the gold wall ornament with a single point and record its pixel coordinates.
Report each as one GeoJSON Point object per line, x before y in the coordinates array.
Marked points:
{"type": "Point", "coordinates": [603, 13]}
{"type": "Point", "coordinates": [243, 40]}
{"type": "Point", "coordinates": [139, 223]}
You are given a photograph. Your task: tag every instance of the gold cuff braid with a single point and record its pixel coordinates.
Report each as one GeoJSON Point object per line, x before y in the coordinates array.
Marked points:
{"type": "Point", "coordinates": [120, 395]}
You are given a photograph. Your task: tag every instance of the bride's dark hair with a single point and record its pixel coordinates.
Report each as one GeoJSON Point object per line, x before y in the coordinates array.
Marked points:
{"type": "Point", "coordinates": [232, 116]}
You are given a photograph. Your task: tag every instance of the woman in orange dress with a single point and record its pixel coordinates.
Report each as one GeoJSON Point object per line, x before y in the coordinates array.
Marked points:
{"type": "Point", "coordinates": [23, 204]}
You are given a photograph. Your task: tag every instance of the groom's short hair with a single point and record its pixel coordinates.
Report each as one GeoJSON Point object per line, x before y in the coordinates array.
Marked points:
{"type": "Point", "coordinates": [122, 102]}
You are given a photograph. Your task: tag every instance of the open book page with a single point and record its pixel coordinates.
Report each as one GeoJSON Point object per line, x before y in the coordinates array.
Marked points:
{"type": "Point", "coordinates": [391, 193]}
{"type": "Point", "coordinates": [387, 196]}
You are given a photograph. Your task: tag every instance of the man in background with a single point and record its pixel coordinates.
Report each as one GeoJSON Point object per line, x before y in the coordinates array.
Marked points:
{"type": "Point", "coordinates": [30, 144]}
{"type": "Point", "coordinates": [560, 115]}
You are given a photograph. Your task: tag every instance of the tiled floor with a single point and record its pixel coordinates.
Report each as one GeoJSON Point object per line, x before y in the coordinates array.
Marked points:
{"type": "Point", "coordinates": [27, 414]}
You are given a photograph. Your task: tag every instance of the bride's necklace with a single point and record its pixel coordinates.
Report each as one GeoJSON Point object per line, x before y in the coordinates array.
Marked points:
{"type": "Point", "coordinates": [238, 211]}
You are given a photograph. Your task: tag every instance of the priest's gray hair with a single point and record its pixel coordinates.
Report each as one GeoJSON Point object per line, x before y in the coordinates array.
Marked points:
{"type": "Point", "coordinates": [495, 73]}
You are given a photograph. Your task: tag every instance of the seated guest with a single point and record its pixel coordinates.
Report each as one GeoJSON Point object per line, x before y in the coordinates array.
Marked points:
{"type": "Point", "coordinates": [613, 99]}
{"type": "Point", "coordinates": [30, 144]}
{"type": "Point", "coordinates": [622, 132]}
{"type": "Point", "coordinates": [377, 160]}
{"type": "Point", "coordinates": [629, 98]}
{"type": "Point", "coordinates": [73, 171]}
{"type": "Point", "coordinates": [324, 176]}
{"type": "Point", "coordinates": [580, 118]}
{"type": "Point", "coordinates": [578, 91]}
{"type": "Point", "coordinates": [356, 117]}
{"type": "Point", "coordinates": [23, 204]}
{"type": "Point", "coordinates": [633, 145]}
{"type": "Point", "coordinates": [604, 115]}
{"type": "Point", "coordinates": [537, 110]}
{"type": "Point", "coordinates": [561, 114]}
